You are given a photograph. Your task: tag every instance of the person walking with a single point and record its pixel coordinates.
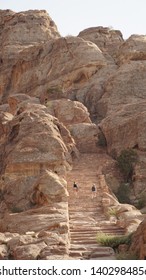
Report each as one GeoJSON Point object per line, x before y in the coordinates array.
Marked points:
{"type": "Point", "coordinates": [93, 189]}
{"type": "Point", "coordinates": [75, 188]}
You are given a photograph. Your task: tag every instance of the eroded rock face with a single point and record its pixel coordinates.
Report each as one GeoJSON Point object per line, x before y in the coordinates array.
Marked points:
{"type": "Point", "coordinates": [138, 245]}
{"type": "Point", "coordinates": [32, 69]}
{"type": "Point", "coordinates": [28, 155]}
{"type": "Point", "coordinates": [44, 82]}
{"type": "Point", "coordinates": [124, 128]}
{"type": "Point", "coordinates": [20, 50]}
{"type": "Point", "coordinates": [75, 117]}
{"type": "Point", "coordinates": [85, 136]}
{"type": "Point", "coordinates": [126, 86]}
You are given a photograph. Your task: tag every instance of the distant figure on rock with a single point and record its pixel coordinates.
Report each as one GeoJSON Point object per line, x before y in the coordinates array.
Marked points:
{"type": "Point", "coordinates": [93, 189]}
{"type": "Point", "coordinates": [75, 187]}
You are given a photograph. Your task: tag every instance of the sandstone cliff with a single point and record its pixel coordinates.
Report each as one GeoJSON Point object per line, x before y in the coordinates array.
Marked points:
{"type": "Point", "coordinates": [57, 95]}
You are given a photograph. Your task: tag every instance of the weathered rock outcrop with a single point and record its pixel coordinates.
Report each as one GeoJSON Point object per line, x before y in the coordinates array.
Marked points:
{"type": "Point", "coordinates": [133, 49]}
{"type": "Point", "coordinates": [50, 90]}
{"type": "Point", "coordinates": [124, 128]}
{"type": "Point", "coordinates": [68, 112]}
{"type": "Point", "coordinates": [33, 145]}
{"type": "Point", "coordinates": [32, 68]}
{"type": "Point", "coordinates": [124, 215]}
{"type": "Point", "coordinates": [37, 27]}
{"type": "Point", "coordinates": [75, 117]}
{"type": "Point", "coordinates": [20, 50]}
{"type": "Point", "coordinates": [139, 241]}
{"type": "Point", "coordinates": [107, 39]}
{"type": "Point", "coordinates": [33, 193]}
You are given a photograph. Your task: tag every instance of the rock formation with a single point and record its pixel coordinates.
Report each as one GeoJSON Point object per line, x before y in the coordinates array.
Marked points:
{"type": "Point", "coordinates": [58, 96]}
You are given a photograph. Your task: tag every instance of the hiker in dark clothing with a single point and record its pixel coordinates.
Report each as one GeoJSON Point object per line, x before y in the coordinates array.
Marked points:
{"type": "Point", "coordinates": [93, 189]}
{"type": "Point", "coordinates": [75, 187]}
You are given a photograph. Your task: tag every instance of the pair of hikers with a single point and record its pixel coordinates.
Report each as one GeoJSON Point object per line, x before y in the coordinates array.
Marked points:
{"type": "Point", "coordinates": [93, 189]}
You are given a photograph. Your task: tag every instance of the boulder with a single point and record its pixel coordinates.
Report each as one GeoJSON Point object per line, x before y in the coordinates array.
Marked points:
{"type": "Point", "coordinates": [35, 220]}
{"type": "Point", "coordinates": [106, 38]}
{"type": "Point", "coordinates": [68, 112]}
{"type": "Point", "coordinates": [28, 252]}
{"type": "Point", "coordinates": [133, 49]}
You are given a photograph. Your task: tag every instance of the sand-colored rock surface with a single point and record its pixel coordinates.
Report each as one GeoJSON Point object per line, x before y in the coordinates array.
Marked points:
{"type": "Point", "coordinates": [58, 96]}
{"type": "Point", "coordinates": [134, 48]}
{"type": "Point", "coordinates": [107, 39]}
{"type": "Point", "coordinates": [139, 241]}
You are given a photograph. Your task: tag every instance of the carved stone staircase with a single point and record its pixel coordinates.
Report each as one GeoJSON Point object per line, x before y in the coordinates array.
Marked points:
{"type": "Point", "coordinates": [86, 217]}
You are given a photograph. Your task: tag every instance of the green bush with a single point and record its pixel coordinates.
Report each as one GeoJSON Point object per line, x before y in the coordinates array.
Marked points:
{"type": "Point", "coordinates": [126, 161]}
{"type": "Point", "coordinates": [113, 241]}
{"type": "Point", "coordinates": [123, 193]}
{"type": "Point", "coordinates": [112, 212]}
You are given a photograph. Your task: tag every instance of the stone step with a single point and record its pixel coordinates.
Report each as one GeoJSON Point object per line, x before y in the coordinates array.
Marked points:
{"type": "Point", "coordinates": [84, 198]}
{"type": "Point", "coordinates": [81, 194]}
{"type": "Point", "coordinates": [95, 205]}
{"type": "Point", "coordinates": [77, 211]}
{"type": "Point", "coordinates": [97, 256]}
{"type": "Point", "coordinates": [86, 210]}
{"type": "Point", "coordinates": [87, 223]}
{"type": "Point", "coordinates": [79, 236]}
{"type": "Point", "coordinates": [88, 219]}
{"type": "Point", "coordinates": [84, 229]}
{"type": "Point", "coordinates": [103, 258]}
{"type": "Point", "coordinates": [109, 232]}
{"type": "Point", "coordinates": [84, 242]}
{"type": "Point", "coordinates": [92, 231]}
{"type": "Point", "coordinates": [83, 202]}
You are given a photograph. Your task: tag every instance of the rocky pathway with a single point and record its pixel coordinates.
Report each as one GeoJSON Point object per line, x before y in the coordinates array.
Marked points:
{"type": "Point", "coordinates": [86, 217]}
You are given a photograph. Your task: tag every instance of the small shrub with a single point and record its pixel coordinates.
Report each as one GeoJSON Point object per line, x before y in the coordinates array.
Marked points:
{"type": "Point", "coordinates": [126, 161]}
{"type": "Point", "coordinates": [113, 241]}
{"type": "Point", "coordinates": [112, 212]}
{"type": "Point", "coordinates": [54, 89]}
